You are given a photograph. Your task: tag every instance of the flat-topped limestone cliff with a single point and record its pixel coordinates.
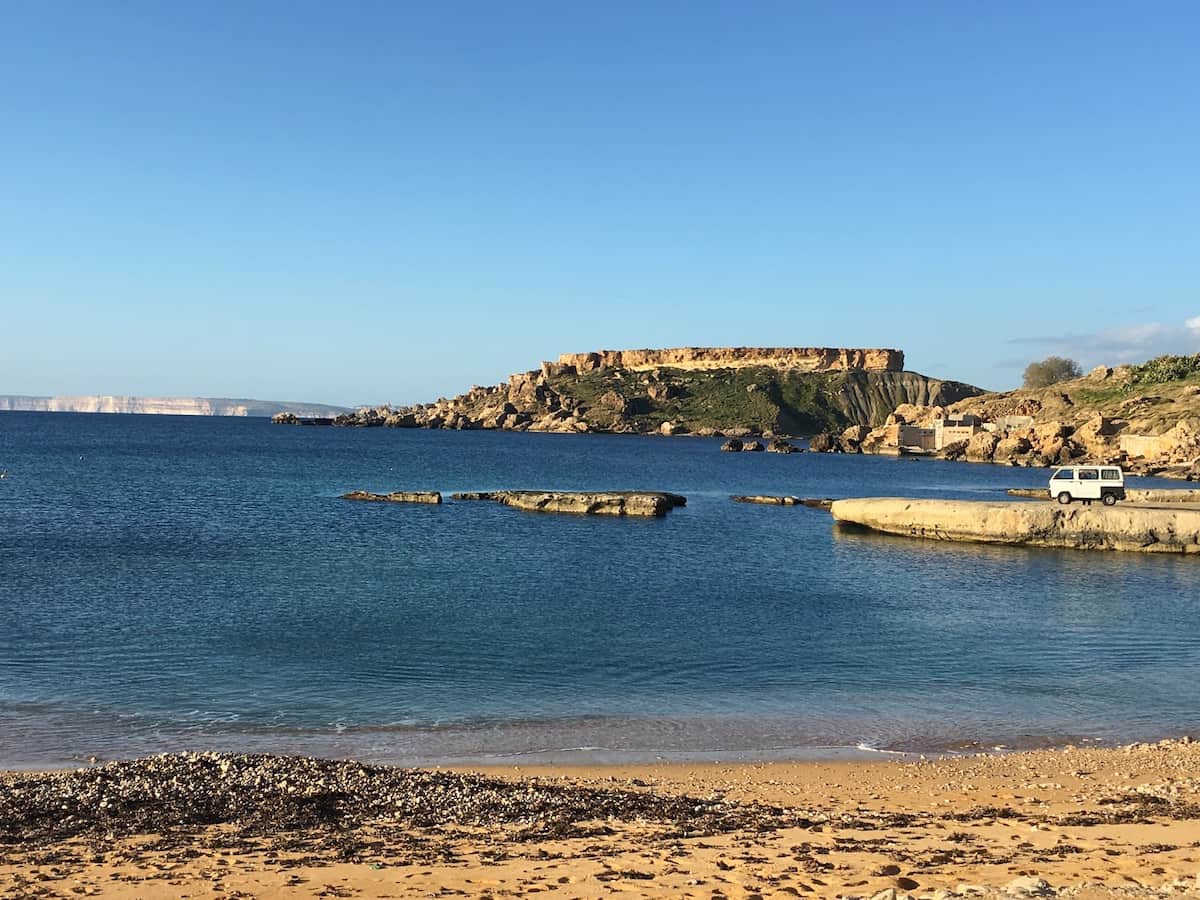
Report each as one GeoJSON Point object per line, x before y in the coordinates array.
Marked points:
{"type": "Point", "coordinates": [693, 359]}
{"type": "Point", "coordinates": [1123, 527]}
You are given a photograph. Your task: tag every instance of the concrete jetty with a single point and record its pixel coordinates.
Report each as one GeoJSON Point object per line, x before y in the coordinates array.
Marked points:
{"type": "Point", "coordinates": [1132, 495]}
{"type": "Point", "coordinates": [1096, 527]}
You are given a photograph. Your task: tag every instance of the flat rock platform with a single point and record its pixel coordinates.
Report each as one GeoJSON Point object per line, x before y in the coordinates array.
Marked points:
{"type": "Point", "coordinates": [1096, 527]}
{"type": "Point", "coordinates": [594, 503]}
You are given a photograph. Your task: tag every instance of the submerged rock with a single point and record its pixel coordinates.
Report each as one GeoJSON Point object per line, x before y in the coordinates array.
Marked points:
{"type": "Point", "coordinates": [395, 497]}
{"type": "Point", "coordinates": [592, 503]}
{"type": "Point", "coordinates": [766, 500]}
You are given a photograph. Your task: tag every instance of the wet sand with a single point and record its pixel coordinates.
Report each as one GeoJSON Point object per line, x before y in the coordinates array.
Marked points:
{"type": "Point", "coordinates": [1069, 822]}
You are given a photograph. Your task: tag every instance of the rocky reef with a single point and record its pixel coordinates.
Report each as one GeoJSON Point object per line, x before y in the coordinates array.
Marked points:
{"type": "Point", "coordinates": [1147, 530]}
{"type": "Point", "coordinates": [432, 497]}
{"type": "Point", "coordinates": [735, 392]}
{"type": "Point", "coordinates": [590, 503]}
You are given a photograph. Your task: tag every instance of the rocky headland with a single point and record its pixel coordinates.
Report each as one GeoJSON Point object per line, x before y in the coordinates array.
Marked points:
{"type": "Point", "coordinates": [1144, 529]}
{"type": "Point", "coordinates": [1145, 418]}
{"type": "Point", "coordinates": [729, 391]}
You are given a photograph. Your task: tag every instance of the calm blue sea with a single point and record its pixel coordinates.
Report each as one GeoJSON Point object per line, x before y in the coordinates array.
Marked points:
{"type": "Point", "coordinates": [173, 582]}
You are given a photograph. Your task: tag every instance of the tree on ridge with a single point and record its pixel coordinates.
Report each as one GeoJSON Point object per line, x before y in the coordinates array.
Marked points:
{"type": "Point", "coordinates": [1051, 370]}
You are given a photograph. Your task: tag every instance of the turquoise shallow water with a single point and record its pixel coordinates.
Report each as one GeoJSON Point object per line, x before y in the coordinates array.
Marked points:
{"type": "Point", "coordinates": [170, 583]}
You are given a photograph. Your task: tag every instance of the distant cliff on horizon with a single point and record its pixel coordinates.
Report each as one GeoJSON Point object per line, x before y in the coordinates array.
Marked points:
{"type": "Point", "coordinates": [165, 406]}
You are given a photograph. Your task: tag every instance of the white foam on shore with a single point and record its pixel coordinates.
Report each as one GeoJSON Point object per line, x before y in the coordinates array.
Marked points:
{"type": "Point", "coordinates": [867, 748]}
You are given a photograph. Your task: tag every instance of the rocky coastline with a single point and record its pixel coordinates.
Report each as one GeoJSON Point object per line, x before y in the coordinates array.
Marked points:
{"type": "Point", "coordinates": [733, 392]}
{"type": "Point", "coordinates": [1123, 416]}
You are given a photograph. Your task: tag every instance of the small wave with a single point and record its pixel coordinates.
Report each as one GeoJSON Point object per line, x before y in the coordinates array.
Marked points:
{"type": "Point", "coordinates": [867, 748]}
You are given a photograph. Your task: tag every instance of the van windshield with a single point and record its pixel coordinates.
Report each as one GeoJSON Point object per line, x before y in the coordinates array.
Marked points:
{"type": "Point", "coordinates": [1064, 473]}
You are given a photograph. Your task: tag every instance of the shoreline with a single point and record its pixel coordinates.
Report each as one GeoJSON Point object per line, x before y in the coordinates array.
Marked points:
{"type": "Point", "coordinates": [1068, 822]}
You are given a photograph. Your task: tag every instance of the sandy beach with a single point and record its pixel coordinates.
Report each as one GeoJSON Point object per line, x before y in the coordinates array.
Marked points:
{"type": "Point", "coordinates": [1068, 822]}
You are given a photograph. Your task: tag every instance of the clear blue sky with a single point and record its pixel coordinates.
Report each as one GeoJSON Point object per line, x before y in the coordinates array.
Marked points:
{"type": "Point", "coordinates": [365, 202]}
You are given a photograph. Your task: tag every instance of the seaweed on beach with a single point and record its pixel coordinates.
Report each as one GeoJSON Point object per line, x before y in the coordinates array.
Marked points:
{"type": "Point", "coordinates": [265, 796]}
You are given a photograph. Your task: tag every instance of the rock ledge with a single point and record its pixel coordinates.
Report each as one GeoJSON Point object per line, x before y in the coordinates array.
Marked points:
{"type": "Point", "coordinates": [1029, 524]}
{"type": "Point", "coordinates": [594, 503]}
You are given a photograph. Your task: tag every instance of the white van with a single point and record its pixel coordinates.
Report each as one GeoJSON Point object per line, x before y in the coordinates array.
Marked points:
{"type": "Point", "coordinates": [1088, 483]}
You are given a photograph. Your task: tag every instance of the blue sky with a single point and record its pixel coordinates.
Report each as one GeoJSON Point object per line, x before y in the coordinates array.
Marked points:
{"type": "Point", "coordinates": [366, 202]}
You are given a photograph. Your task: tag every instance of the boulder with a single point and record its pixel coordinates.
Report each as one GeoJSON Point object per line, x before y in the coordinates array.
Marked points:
{"type": "Point", "coordinates": [1012, 446]}
{"type": "Point", "coordinates": [955, 450]}
{"type": "Point", "coordinates": [752, 446]}
{"type": "Point", "coordinates": [779, 446]}
{"type": "Point", "coordinates": [733, 445]}
{"type": "Point", "coordinates": [855, 434]}
{"type": "Point", "coordinates": [823, 443]}
{"type": "Point", "coordinates": [615, 401]}
{"type": "Point", "coordinates": [981, 446]}
{"type": "Point", "coordinates": [1097, 437]}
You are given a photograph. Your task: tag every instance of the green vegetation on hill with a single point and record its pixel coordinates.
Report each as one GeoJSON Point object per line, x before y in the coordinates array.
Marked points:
{"type": "Point", "coordinates": [1169, 372]}
{"type": "Point", "coordinates": [1164, 369]}
{"type": "Point", "coordinates": [758, 398]}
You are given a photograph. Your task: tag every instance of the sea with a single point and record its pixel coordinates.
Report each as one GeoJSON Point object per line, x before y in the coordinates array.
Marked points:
{"type": "Point", "coordinates": [178, 583]}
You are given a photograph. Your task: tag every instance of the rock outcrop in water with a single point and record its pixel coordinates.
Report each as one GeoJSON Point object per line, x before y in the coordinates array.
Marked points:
{"type": "Point", "coordinates": [735, 391]}
{"type": "Point", "coordinates": [592, 503]}
{"type": "Point", "coordinates": [1079, 527]}
{"type": "Point", "coordinates": [433, 497]}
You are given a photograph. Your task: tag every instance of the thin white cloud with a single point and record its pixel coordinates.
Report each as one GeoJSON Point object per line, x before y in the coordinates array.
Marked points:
{"type": "Point", "coordinates": [1133, 343]}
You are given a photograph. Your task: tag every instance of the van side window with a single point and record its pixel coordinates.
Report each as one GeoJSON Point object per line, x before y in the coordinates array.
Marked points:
{"type": "Point", "coordinates": [1064, 473]}
{"type": "Point", "coordinates": [1110, 474]}
{"type": "Point", "coordinates": [1088, 475]}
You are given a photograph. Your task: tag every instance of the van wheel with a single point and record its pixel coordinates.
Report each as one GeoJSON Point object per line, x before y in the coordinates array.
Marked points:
{"type": "Point", "coordinates": [1064, 498]}
{"type": "Point", "coordinates": [1109, 499]}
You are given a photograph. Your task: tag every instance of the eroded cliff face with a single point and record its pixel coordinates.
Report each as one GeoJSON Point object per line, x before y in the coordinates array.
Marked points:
{"type": "Point", "coordinates": [691, 359]}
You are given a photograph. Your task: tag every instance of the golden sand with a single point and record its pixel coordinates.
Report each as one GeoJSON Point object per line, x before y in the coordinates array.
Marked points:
{"type": "Point", "coordinates": [1072, 822]}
